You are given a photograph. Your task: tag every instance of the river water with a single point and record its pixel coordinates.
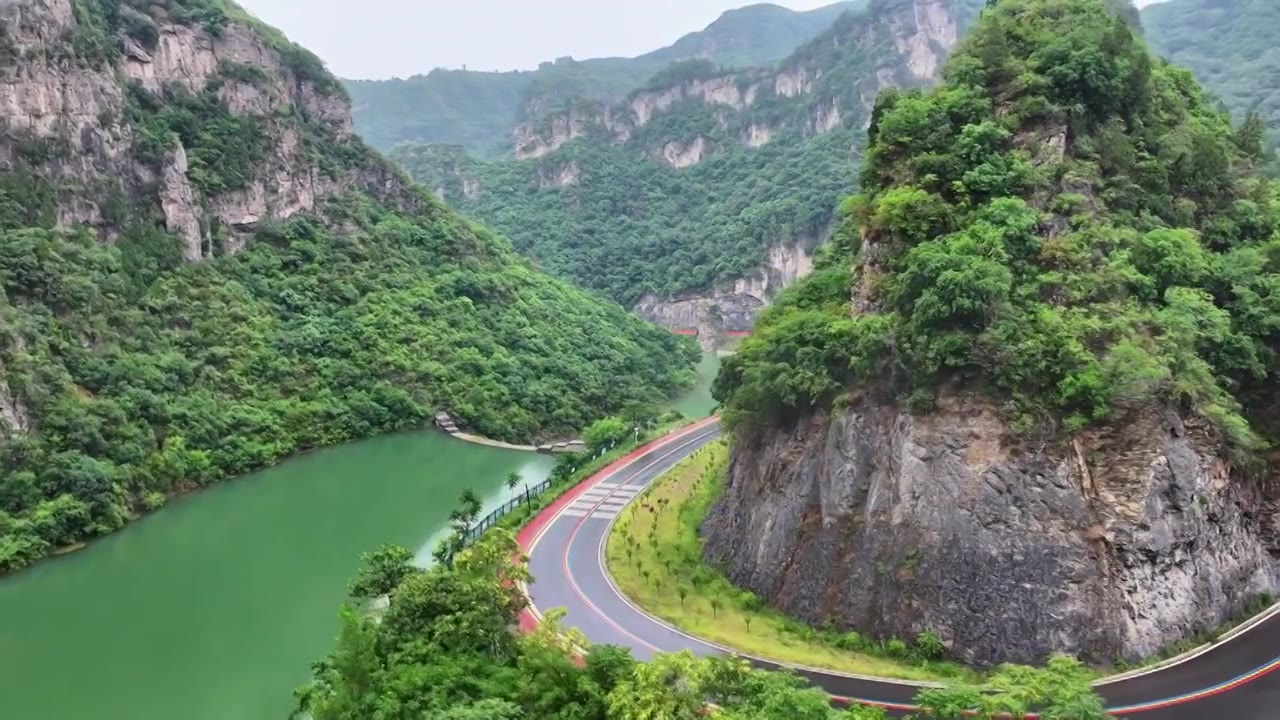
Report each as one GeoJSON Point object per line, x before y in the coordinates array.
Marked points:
{"type": "Point", "coordinates": [213, 608]}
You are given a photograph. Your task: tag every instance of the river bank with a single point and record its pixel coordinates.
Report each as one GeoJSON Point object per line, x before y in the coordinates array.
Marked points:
{"type": "Point", "coordinates": [215, 606]}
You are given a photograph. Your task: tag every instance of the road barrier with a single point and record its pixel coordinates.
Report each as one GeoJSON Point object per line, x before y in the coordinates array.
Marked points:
{"type": "Point", "coordinates": [531, 494]}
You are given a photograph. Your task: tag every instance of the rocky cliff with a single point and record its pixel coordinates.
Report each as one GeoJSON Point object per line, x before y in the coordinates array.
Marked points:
{"type": "Point", "coordinates": [953, 426]}
{"type": "Point", "coordinates": [812, 91]}
{"type": "Point", "coordinates": [1113, 544]}
{"type": "Point", "coordinates": [203, 271]}
{"type": "Point", "coordinates": [82, 109]}
{"type": "Point", "coordinates": [731, 309]}
{"type": "Point", "coordinates": [479, 109]}
{"type": "Point", "coordinates": [687, 199]}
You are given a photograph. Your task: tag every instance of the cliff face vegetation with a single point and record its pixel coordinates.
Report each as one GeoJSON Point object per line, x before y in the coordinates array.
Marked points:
{"type": "Point", "coordinates": [1026, 399]}
{"type": "Point", "coordinates": [477, 110]}
{"type": "Point", "coordinates": [1229, 45]}
{"type": "Point", "coordinates": [202, 271]}
{"type": "Point", "coordinates": [703, 193]}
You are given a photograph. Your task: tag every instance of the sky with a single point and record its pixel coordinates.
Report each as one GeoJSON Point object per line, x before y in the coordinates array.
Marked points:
{"type": "Point", "coordinates": [398, 38]}
{"type": "Point", "coordinates": [369, 39]}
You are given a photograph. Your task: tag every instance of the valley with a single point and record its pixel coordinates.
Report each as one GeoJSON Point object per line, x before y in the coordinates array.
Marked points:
{"type": "Point", "coordinates": [985, 296]}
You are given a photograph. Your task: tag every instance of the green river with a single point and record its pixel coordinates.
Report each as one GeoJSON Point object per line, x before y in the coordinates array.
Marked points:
{"type": "Point", "coordinates": [213, 608]}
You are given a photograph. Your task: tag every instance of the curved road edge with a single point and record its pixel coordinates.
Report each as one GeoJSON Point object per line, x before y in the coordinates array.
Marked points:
{"type": "Point", "coordinates": [1233, 678]}
{"type": "Point", "coordinates": [530, 534]}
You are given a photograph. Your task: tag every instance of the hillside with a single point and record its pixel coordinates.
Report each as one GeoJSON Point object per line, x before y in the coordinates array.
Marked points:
{"type": "Point", "coordinates": [203, 271]}
{"type": "Point", "coordinates": [1026, 400]}
{"type": "Point", "coordinates": [478, 110]}
{"type": "Point", "coordinates": [1229, 45]}
{"type": "Point", "coordinates": [703, 193]}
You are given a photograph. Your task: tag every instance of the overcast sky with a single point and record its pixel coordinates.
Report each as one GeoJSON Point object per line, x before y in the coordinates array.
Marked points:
{"type": "Point", "coordinates": [385, 38]}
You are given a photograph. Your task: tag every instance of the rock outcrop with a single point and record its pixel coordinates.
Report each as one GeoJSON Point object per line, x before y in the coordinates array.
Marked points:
{"type": "Point", "coordinates": [1112, 544]}
{"type": "Point", "coordinates": [920, 31]}
{"type": "Point", "coordinates": [731, 309]}
{"type": "Point", "coordinates": [808, 95]}
{"type": "Point", "coordinates": [14, 416]}
{"type": "Point", "coordinates": [1010, 533]}
{"type": "Point", "coordinates": [80, 106]}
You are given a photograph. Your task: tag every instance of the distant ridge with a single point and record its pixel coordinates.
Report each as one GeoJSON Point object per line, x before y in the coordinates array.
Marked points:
{"type": "Point", "coordinates": [479, 110]}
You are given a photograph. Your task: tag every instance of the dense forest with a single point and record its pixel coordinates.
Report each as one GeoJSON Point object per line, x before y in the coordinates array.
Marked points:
{"type": "Point", "coordinates": [1067, 223]}
{"type": "Point", "coordinates": [443, 649]}
{"type": "Point", "coordinates": [615, 216]}
{"type": "Point", "coordinates": [128, 374]}
{"type": "Point", "coordinates": [479, 110]}
{"type": "Point", "coordinates": [1228, 44]}
{"type": "Point", "coordinates": [632, 225]}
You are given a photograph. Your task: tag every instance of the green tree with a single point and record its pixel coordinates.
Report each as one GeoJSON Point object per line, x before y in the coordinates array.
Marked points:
{"type": "Point", "coordinates": [382, 571]}
{"type": "Point", "coordinates": [669, 686]}
{"type": "Point", "coordinates": [605, 432]}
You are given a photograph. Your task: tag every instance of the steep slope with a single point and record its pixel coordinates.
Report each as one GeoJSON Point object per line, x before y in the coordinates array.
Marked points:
{"type": "Point", "coordinates": [1228, 44]}
{"type": "Point", "coordinates": [1027, 399]}
{"type": "Point", "coordinates": [203, 271]}
{"type": "Point", "coordinates": [702, 194]}
{"type": "Point", "coordinates": [477, 110]}
{"type": "Point", "coordinates": [758, 34]}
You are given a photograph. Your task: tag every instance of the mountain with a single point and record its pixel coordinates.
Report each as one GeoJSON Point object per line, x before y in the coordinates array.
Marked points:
{"type": "Point", "coordinates": [479, 109]}
{"type": "Point", "coordinates": [1026, 400]}
{"type": "Point", "coordinates": [701, 194]}
{"type": "Point", "coordinates": [758, 34]}
{"type": "Point", "coordinates": [1228, 44]}
{"type": "Point", "coordinates": [203, 270]}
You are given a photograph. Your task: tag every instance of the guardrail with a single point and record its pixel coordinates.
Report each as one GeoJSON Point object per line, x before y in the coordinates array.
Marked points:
{"type": "Point", "coordinates": [533, 493]}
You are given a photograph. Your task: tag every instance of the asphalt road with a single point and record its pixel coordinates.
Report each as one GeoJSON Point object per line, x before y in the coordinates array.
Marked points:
{"type": "Point", "coordinates": [1237, 679]}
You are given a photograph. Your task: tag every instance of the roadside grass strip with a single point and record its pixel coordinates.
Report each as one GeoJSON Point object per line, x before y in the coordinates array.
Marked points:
{"type": "Point", "coordinates": [655, 557]}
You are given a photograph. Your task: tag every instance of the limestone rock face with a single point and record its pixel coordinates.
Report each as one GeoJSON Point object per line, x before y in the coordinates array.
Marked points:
{"type": "Point", "coordinates": [178, 202]}
{"type": "Point", "coordinates": [733, 308]}
{"type": "Point", "coordinates": [679, 155]}
{"type": "Point", "coordinates": [14, 417]}
{"type": "Point", "coordinates": [78, 108]}
{"type": "Point", "coordinates": [1111, 544]}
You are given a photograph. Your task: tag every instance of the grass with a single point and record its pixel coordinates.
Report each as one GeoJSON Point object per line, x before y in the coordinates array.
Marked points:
{"type": "Point", "coordinates": [655, 556]}
{"type": "Point", "coordinates": [1255, 606]}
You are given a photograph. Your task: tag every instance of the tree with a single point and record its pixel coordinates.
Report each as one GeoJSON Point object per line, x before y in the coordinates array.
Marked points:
{"type": "Point", "coordinates": [513, 480]}
{"type": "Point", "coordinates": [639, 414]}
{"type": "Point", "coordinates": [345, 683]}
{"type": "Point", "coordinates": [608, 666]}
{"type": "Point", "coordinates": [382, 571]}
{"type": "Point", "coordinates": [470, 505]}
{"type": "Point", "coordinates": [1059, 691]}
{"type": "Point", "coordinates": [668, 686]}
{"type": "Point", "coordinates": [605, 432]}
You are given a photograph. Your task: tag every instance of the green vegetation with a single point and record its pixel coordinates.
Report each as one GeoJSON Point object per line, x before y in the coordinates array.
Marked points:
{"type": "Point", "coordinates": [479, 110]}
{"type": "Point", "coordinates": [1228, 44]}
{"type": "Point", "coordinates": [223, 149]}
{"type": "Point", "coordinates": [101, 24]}
{"type": "Point", "coordinates": [306, 338]}
{"type": "Point", "coordinates": [1066, 224]}
{"type": "Point", "coordinates": [614, 217]}
{"type": "Point", "coordinates": [655, 556]}
{"type": "Point", "coordinates": [1256, 605]}
{"type": "Point", "coordinates": [444, 648]}
{"type": "Point", "coordinates": [127, 376]}
{"type": "Point", "coordinates": [633, 225]}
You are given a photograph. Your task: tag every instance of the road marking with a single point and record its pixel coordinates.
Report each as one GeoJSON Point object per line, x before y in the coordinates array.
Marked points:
{"type": "Point", "coordinates": [564, 560]}
{"type": "Point", "coordinates": [1221, 688]}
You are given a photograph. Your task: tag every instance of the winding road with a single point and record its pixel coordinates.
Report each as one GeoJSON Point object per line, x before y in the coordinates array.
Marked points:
{"type": "Point", "coordinates": [1234, 679]}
